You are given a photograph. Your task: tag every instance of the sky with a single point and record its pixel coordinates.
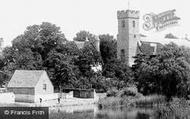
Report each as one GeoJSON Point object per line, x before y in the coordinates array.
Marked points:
{"type": "Point", "coordinates": [95, 16]}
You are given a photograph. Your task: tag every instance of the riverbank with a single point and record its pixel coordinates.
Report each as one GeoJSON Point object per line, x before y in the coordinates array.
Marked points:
{"type": "Point", "coordinates": [132, 101]}
{"type": "Point", "coordinates": [152, 101]}
{"type": "Point", "coordinates": [54, 103]}
{"type": "Point", "coordinates": [176, 110]}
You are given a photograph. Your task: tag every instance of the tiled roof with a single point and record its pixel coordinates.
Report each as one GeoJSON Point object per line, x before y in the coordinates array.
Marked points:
{"type": "Point", "coordinates": [25, 78]}
{"type": "Point", "coordinates": [148, 48]}
{"type": "Point", "coordinates": [82, 44]}
{"type": "Point", "coordinates": [179, 42]}
{"type": "Point", "coordinates": [151, 46]}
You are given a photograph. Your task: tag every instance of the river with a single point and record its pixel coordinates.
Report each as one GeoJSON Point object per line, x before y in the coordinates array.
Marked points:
{"type": "Point", "coordinates": [93, 112]}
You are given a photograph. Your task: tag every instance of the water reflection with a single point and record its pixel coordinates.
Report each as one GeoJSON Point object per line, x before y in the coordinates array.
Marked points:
{"type": "Point", "coordinates": [124, 113]}
{"type": "Point", "coordinates": [92, 112]}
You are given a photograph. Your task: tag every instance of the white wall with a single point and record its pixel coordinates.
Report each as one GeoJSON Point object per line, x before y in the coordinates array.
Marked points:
{"type": "Point", "coordinates": [46, 97]}
{"type": "Point", "coordinates": [7, 97]}
{"type": "Point", "coordinates": [44, 79]}
{"type": "Point", "coordinates": [67, 95]}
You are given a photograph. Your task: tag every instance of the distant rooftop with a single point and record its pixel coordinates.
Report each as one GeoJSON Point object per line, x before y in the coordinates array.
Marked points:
{"type": "Point", "coordinates": [163, 41]}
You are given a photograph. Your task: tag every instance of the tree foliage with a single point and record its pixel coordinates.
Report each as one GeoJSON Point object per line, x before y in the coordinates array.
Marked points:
{"type": "Point", "coordinates": [83, 36]}
{"type": "Point", "coordinates": [166, 73]}
{"type": "Point", "coordinates": [41, 47]}
{"type": "Point", "coordinates": [108, 48]}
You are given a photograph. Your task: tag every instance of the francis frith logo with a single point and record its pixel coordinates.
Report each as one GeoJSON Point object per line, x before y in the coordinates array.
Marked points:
{"type": "Point", "coordinates": [160, 21]}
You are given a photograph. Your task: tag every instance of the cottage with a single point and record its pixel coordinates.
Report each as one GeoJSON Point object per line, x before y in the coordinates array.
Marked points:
{"type": "Point", "coordinates": [31, 86]}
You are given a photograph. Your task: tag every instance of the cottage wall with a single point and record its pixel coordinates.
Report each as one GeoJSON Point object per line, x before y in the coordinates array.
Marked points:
{"type": "Point", "coordinates": [39, 87]}
{"type": "Point", "coordinates": [40, 92]}
{"type": "Point", "coordinates": [24, 98]}
{"type": "Point", "coordinates": [7, 97]}
{"type": "Point", "coordinates": [22, 94]}
{"type": "Point", "coordinates": [21, 90]}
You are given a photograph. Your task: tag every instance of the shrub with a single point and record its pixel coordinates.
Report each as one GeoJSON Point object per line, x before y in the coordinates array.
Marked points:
{"type": "Point", "coordinates": [112, 92]}
{"type": "Point", "coordinates": [129, 91]}
{"type": "Point", "coordinates": [110, 102]}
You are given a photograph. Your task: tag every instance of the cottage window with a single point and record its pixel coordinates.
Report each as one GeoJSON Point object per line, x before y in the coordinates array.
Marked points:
{"type": "Point", "coordinates": [44, 86]}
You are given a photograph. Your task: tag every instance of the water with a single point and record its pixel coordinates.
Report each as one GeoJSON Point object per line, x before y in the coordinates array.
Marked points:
{"type": "Point", "coordinates": [92, 112]}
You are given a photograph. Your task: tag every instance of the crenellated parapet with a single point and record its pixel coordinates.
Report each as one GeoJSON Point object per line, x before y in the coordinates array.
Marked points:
{"type": "Point", "coordinates": [128, 14]}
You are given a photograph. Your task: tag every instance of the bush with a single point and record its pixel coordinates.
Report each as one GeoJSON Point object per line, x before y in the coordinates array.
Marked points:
{"type": "Point", "coordinates": [126, 96]}
{"type": "Point", "coordinates": [129, 91]}
{"type": "Point", "coordinates": [112, 92]}
{"type": "Point", "coordinates": [110, 102]}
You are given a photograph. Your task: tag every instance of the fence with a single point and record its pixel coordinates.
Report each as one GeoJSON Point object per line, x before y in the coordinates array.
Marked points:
{"type": "Point", "coordinates": [82, 93]}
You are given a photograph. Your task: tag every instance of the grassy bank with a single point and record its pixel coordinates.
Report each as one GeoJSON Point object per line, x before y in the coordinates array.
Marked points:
{"type": "Point", "coordinates": [144, 101]}
{"type": "Point", "coordinates": [131, 98]}
{"type": "Point", "coordinates": [152, 100]}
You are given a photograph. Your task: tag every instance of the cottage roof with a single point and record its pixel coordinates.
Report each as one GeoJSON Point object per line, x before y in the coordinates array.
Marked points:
{"type": "Point", "coordinates": [25, 78]}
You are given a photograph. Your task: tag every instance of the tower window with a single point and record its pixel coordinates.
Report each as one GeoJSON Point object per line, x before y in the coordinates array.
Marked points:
{"type": "Point", "coordinates": [123, 23]}
{"type": "Point", "coordinates": [133, 24]}
{"type": "Point", "coordinates": [135, 36]}
{"type": "Point", "coordinates": [122, 55]}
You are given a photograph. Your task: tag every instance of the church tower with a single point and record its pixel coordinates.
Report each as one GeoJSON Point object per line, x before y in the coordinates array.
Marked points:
{"type": "Point", "coordinates": [128, 35]}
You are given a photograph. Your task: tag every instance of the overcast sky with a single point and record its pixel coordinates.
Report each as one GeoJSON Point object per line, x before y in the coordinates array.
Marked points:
{"type": "Point", "coordinates": [95, 16]}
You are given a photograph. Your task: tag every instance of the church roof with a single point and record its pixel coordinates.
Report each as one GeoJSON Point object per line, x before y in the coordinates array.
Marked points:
{"type": "Point", "coordinates": [151, 46]}
{"type": "Point", "coordinates": [148, 48]}
{"type": "Point", "coordinates": [82, 44]}
{"type": "Point", "coordinates": [163, 41]}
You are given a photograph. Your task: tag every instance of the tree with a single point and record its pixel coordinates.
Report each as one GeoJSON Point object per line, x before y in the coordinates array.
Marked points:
{"type": "Point", "coordinates": [119, 73]}
{"type": "Point", "coordinates": [108, 48]}
{"type": "Point", "coordinates": [62, 68]}
{"type": "Point", "coordinates": [166, 73]}
{"type": "Point", "coordinates": [87, 58]}
{"type": "Point", "coordinates": [83, 36]}
{"type": "Point", "coordinates": [31, 50]}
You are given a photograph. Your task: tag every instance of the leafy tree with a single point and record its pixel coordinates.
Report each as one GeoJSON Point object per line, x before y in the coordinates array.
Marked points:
{"type": "Point", "coordinates": [87, 58]}
{"type": "Point", "coordinates": [31, 50]}
{"type": "Point", "coordinates": [83, 36]}
{"type": "Point", "coordinates": [108, 48]}
{"type": "Point", "coordinates": [166, 73]}
{"type": "Point", "coordinates": [61, 67]}
{"type": "Point", "coordinates": [119, 73]}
